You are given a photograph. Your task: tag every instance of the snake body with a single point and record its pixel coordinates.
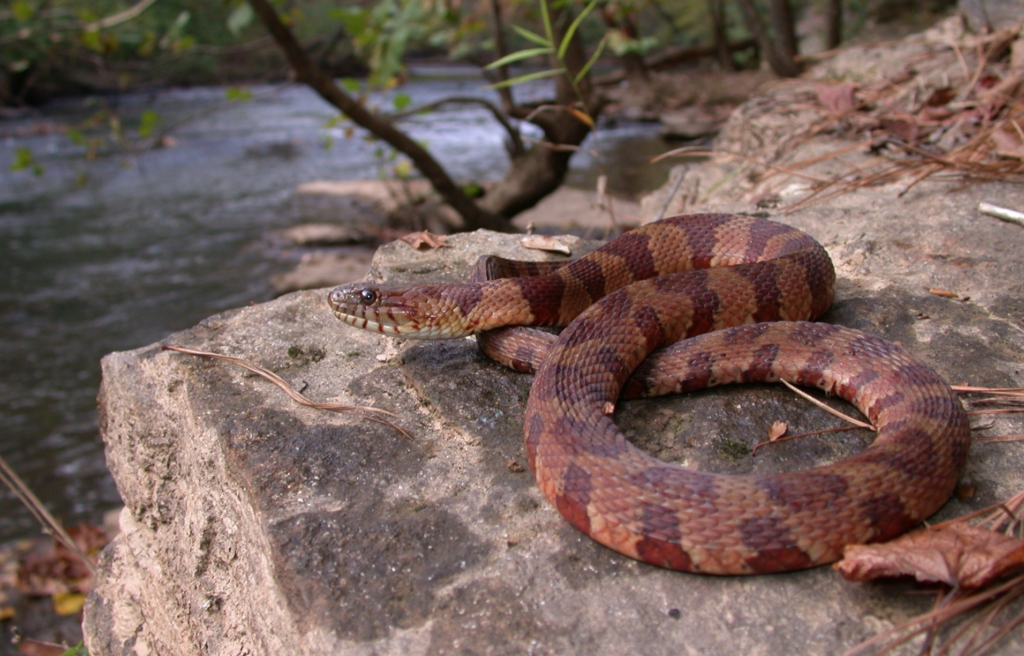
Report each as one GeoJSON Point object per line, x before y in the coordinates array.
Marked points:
{"type": "Point", "coordinates": [641, 294]}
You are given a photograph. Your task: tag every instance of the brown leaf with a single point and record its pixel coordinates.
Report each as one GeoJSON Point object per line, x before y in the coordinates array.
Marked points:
{"type": "Point", "coordinates": [837, 98]}
{"type": "Point", "coordinates": [582, 117]}
{"type": "Point", "coordinates": [956, 554]}
{"type": "Point", "coordinates": [777, 430]}
{"type": "Point", "coordinates": [935, 114]}
{"type": "Point", "coordinates": [50, 569]}
{"type": "Point", "coordinates": [424, 240]}
{"type": "Point", "coordinates": [940, 97]}
{"type": "Point", "coordinates": [545, 243]}
{"type": "Point", "coordinates": [903, 127]}
{"type": "Point", "coordinates": [1008, 140]}
{"type": "Point", "coordinates": [36, 648]}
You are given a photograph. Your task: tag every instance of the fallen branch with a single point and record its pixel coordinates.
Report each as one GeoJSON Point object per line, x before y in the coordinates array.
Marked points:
{"type": "Point", "coordinates": [50, 525]}
{"type": "Point", "coordinates": [367, 412]}
{"type": "Point", "coordinates": [856, 422]}
{"type": "Point", "coordinates": [1003, 213]}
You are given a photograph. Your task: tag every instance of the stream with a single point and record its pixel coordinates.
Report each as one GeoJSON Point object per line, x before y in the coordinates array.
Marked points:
{"type": "Point", "coordinates": [116, 253]}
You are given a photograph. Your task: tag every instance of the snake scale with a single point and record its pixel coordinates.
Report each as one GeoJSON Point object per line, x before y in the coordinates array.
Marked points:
{"type": "Point", "coordinates": [697, 292]}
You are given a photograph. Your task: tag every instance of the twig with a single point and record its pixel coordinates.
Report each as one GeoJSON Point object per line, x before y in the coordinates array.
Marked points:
{"type": "Point", "coordinates": [717, 151]}
{"type": "Point", "coordinates": [1005, 391]}
{"type": "Point", "coordinates": [367, 412]}
{"type": "Point", "coordinates": [560, 147]}
{"type": "Point", "coordinates": [1006, 507]}
{"type": "Point", "coordinates": [856, 422]}
{"type": "Point", "coordinates": [118, 18]}
{"type": "Point", "coordinates": [1000, 438]}
{"type": "Point", "coordinates": [1003, 213]}
{"type": "Point", "coordinates": [50, 525]}
{"type": "Point", "coordinates": [952, 610]}
{"type": "Point", "coordinates": [513, 133]}
{"type": "Point", "coordinates": [679, 176]}
{"type": "Point", "coordinates": [786, 438]}
{"type": "Point", "coordinates": [604, 202]}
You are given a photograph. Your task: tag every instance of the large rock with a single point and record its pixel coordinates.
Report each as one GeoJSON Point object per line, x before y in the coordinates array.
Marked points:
{"type": "Point", "coordinates": [255, 526]}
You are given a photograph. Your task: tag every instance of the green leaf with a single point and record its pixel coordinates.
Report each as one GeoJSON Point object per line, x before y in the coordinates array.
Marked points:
{"type": "Point", "coordinates": [92, 41]}
{"type": "Point", "coordinates": [238, 94]}
{"type": "Point", "coordinates": [402, 169]}
{"type": "Point", "coordinates": [590, 62]}
{"type": "Point", "coordinates": [546, 19]}
{"type": "Point", "coordinates": [240, 18]}
{"type": "Point", "coordinates": [77, 650]}
{"type": "Point", "coordinates": [24, 159]}
{"type": "Point", "coordinates": [518, 56]}
{"type": "Point", "coordinates": [334, 121]}
{"type": "Point", "coordinates": [76, 136]}
{"type": "Point", "coordinates": [354, 19]}
{"type": "Point", "coordinates": [572, 28]}
{"type": "Point", "coordinates": [531, 36]}
{"type": "Point", "coordinates": [527, 78]}
{"type": "Point", "coordinates": [402, 101]}
{"type": "Point", "coordinates": [148, 122]}
{"type": "Point", "coordinates": [22, 10]}
{"type": "Point", "coordinates": [351, 84]}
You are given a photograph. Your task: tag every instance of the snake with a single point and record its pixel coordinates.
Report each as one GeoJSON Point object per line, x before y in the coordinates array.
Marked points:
{"type": "Point", "coordinates": [678, 305]}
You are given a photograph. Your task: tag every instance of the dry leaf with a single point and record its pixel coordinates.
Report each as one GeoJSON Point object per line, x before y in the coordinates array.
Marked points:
{"type": "Point", "coordinates": [934, 114]}
{"type": "Point", "coordinates": [777, 430]}
{"type": "Point", "coordinates": [955, 554]}
{"type": "Point", "coordinates": [52, 569]}
{"type": "Point", "coordinates": [545, 243]}
{"type": "Point", "coordinates": [36, 648]}
{"type": "Point", "coordinates": [425, 240]}
{"type": "Point", "coordinates": [1009, 139]}
{"type": "Point", "coordinates": [68, 603]}
{"type": "Point", "coordinates": [838, 98]}
{"type": "Point", "coordinates": [7, 612]}
{"type": "Point", "coordinates": [942, 292]}
{"type": "Point", "coordinates": [940, 97]}
{"type": "Point", "coordinates": [902, 127]}
{"type": "Point", "coordinates": [582, 117]}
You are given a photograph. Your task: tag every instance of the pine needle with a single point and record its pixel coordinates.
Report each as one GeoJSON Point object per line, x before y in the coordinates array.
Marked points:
{"type": "Point", "coordinates": [366, 412]}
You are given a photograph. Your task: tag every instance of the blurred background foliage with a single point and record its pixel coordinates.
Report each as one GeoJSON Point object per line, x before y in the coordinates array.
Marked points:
{"type": "Point", "coordinates": [60, 47]}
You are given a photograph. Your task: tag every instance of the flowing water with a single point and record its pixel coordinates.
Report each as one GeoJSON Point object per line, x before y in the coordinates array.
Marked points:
{"type": "Point", "coordinates": [116, 253]}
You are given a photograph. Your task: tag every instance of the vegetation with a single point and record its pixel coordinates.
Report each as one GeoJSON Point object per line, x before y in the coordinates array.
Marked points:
{"type": "Point", "coordinates": [60, 46]}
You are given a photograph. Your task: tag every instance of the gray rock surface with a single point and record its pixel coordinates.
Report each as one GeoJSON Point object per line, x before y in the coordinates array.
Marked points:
{"type": "Point", "coordinates": [255, 526]}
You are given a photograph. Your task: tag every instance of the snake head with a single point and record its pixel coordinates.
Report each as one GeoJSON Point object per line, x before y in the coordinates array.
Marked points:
{"type": "Point", "coordinates": [419, 312]}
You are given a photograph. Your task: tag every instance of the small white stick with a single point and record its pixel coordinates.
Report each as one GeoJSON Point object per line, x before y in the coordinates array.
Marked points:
{"type": "Point", "coordinates": [1003, 213]}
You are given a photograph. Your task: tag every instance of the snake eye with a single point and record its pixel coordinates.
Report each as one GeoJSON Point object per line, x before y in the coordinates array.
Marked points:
{"type": "Point", "coordinates": [368, 296]}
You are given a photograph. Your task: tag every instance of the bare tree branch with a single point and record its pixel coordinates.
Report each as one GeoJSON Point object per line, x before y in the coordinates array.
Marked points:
{"type": "Point", "coordinates": [781, 13]}
{"type": "Point", "coordinates": [782, 65]}
{"type": "Point", "coordinates": [513, 131]}
{"type": "Point", "coordinates": [120, 17]}
{"type": "Point", "coordinates": [834, 23]}
{"type": "Point", "coordinates": [309, 73]}
{"type": "Point", "coordinates": [500, 50]}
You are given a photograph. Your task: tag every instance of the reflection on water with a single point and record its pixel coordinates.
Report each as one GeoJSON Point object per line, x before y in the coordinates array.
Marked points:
{"type": "Point", "coordinates": [154, 241]}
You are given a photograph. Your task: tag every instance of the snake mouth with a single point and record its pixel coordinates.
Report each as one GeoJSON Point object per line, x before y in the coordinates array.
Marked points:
{"type": "Point", "coordinates": [368, 323]}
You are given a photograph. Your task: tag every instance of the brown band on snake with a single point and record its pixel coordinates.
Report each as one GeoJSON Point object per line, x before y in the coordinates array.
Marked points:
{"type": "Point", "coordinates": [661, 513]}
